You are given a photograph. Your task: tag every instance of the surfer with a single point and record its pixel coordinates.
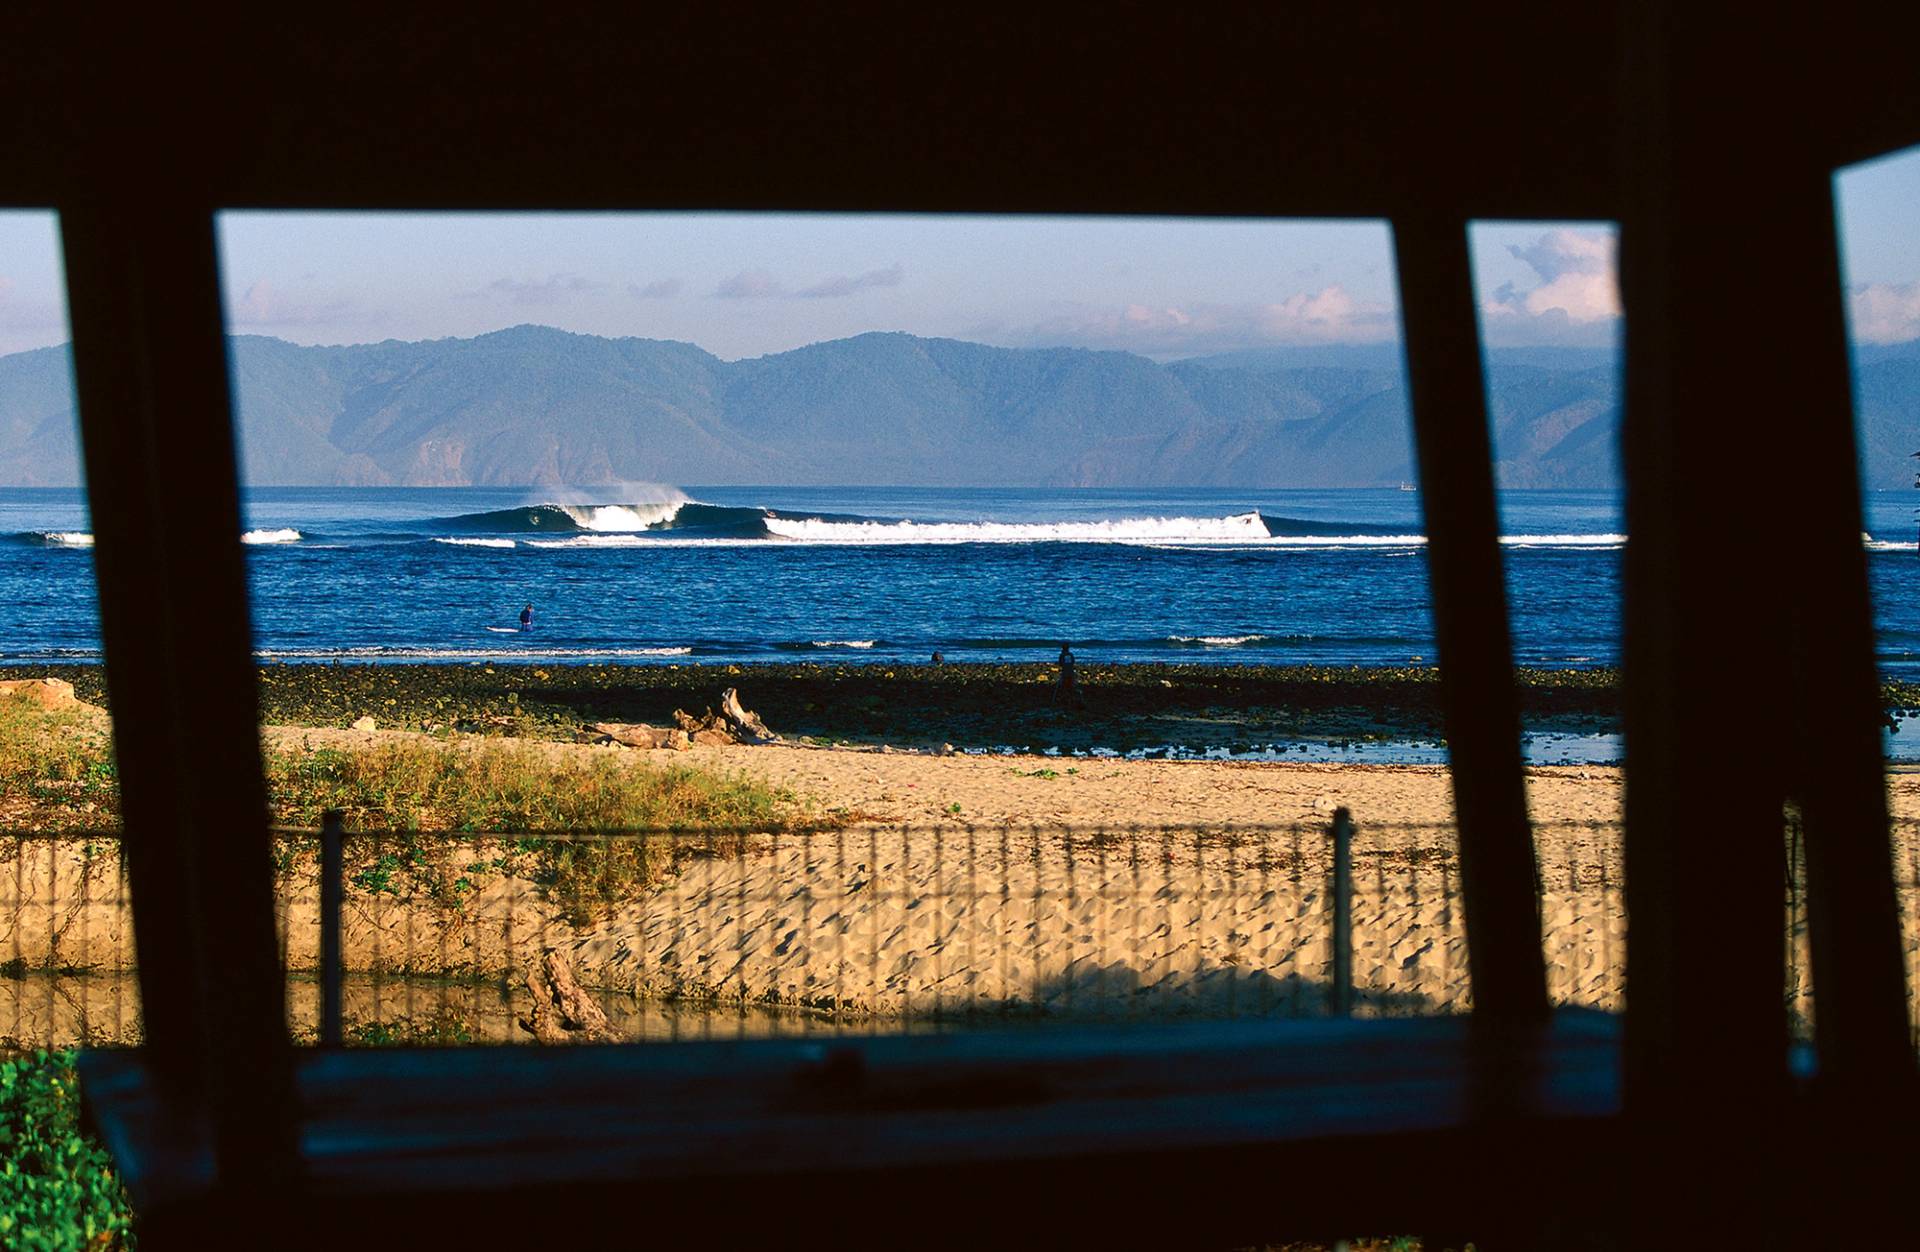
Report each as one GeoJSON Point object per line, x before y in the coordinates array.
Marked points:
{"type": "Point", "coordinates": [526, 618]}
{"type": "Point", "coordinates": [1068, 691]}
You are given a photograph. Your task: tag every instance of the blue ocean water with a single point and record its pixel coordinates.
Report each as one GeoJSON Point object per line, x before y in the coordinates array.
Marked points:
{"type": "Point", "coordinates": [739, 574]}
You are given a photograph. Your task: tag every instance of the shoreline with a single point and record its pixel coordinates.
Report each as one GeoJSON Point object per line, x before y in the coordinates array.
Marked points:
{"type": "Point", "coordinates": [1303, 713]}
{"type": "Point", "coordinates": [1175, 709]}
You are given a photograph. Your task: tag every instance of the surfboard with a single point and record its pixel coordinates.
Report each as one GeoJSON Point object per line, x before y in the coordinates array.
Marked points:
{"type": "Point", "coordinates": [504, 630]}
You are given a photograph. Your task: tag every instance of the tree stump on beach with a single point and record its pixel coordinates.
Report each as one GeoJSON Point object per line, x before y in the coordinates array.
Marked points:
{"type": "Point", "coordinates": [562, 1012]}
{"type": "Point", "coordinates": [734, 723]}
{"type": "Point", "coordinates": [746, 725]}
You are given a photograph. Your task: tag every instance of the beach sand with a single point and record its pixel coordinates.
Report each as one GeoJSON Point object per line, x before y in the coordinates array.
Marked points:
{"type": "Point", "coordinates": [1122, 888]}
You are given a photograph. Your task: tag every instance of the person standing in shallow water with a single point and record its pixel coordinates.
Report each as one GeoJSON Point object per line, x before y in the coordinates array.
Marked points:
{"type": "Point", "coordinates": [1069, 689]}
{"type": "Point", "coordinates": [526, 618]}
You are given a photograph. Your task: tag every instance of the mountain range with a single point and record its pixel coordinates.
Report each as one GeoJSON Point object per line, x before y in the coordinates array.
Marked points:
{"type": "Point", "coordinates": [534, 406]}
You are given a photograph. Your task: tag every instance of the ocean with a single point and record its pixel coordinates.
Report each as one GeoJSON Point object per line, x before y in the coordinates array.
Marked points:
{"type": "Point", "coordinates": [735, 574]}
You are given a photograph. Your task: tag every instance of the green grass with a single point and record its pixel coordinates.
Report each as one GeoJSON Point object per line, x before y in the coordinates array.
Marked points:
{"type": "Point", "coordinates": [56, 768]}
{"type": "Point", "coordinates": [506, 786]}
{"type": "Point", "coordinates": [56, 772]}
{"type": "Point", "coordinates": [444, 1029]}
{"type": "Point", "coordinates": [58, 1190]}
{"type": "Point", "coordinates": [503, 786]}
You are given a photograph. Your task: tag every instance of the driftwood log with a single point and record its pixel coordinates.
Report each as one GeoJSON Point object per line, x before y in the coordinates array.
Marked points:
{"type": "Point", "coordinates": [639, 735]}
{"type": "Point", "coordinates": [707, 729]}
{"type": "Point", "coordinates": [734, 723]}
{"type": "Point", "coordinates": [562, 1012]}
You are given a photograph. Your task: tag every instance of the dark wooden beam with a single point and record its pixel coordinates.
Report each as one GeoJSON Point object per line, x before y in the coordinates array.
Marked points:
{"type": "Point", "coordinates": [1276, 109]}
{"type": "Point", "coordinates": [1713, 446]}
{"type": "Point", "coordinates": [1866, 1078]}
{"type": "Point", "coordinates": [1838, 776]}
{"type": "Point", "coordinates": [151, 368]}
{"type": "Point", "coordinates": [1306, 110]}
{"type": "Point", "coordinates": [1498, 870]}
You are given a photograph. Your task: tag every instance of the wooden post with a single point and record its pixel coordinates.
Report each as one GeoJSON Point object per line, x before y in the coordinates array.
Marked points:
{"type": "Point", "coordinates": [1341, 986]}
{"type": "Point", "coordinates": [1498, 873]}
{"type": "Point", "coordinates": [1853, 914]}
{"type": "Point", "coordinates": [151, 374]}
{"type": "Point", "coordinates": [1713, 343]}
{"type": "Point", "coordinates": [332, 899]}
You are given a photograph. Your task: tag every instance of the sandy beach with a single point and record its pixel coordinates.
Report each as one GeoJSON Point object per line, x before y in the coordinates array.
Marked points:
{"type": "Point", "coordinates": [894, 788]}
{"type": "Point", "coordinates": [974, 885]}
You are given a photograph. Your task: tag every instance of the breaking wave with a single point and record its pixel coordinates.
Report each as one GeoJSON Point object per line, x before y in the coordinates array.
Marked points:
{"type": "Point", "coordinates": [548, 519]}
{"type": "Point", "coordinates": [84, 539]}
{"type": "Point", "coordinates": [1240, 527]}
{"type": "Point", "coordinates": [691, 523]}
{"type": "Point", "coordinates": [1564, 541]}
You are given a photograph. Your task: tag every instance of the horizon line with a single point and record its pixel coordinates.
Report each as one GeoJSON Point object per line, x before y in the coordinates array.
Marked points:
{"type": "Point", "coordinates": [1394, 345]}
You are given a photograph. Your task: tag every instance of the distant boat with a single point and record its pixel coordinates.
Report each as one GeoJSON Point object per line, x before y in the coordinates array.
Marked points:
{"type": "Point", "coordinates": [1408, 487]}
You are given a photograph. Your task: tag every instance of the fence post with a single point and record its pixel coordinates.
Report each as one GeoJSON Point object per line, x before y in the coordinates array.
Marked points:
{"type": "Point", "coordinates": [1342, 989]}
{"type": "Point", "coordinates": [332, 900]}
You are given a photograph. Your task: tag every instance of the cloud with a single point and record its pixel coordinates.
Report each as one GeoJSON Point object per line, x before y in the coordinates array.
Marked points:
{"type": "Point", "coordinates": [1577, 294]}
{"type": "Point", "coordinates": [845, 285]}
{"type": "Point", "coordinates": [1885, 312]}
{"type": "Point", "coordinates": [553, 289]}
{"type": "Point", "coordinates": [750, 285]}
{"type": "Point", "coordinates": [658, 289]}
{"type": "Point", "coordinates": [1329, 315]}
{"type": "Point", "coordinates": [263, 306]}
{"type": "Point", "coordinates": [759, 284]}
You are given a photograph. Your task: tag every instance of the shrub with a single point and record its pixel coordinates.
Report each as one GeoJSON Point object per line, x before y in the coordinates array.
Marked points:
{"type": "Point", "coordinates": [58, 1190]}
{"type": "Point", "coordinates": [515, 788]}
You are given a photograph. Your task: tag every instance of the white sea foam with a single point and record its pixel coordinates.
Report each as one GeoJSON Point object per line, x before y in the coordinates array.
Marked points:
{"type": "Point", "coordinates": [1236, 529]}
{"type": "Point", "coordinates": [616, 518]}
{"type": "Point", "coordinates": [66, 539]}
{"type": "Point", "coordinates": [477, 543]}
{"type": "Point", "coordinates": [1245, 530]}
{"type": "Point", "coordinates": [1216, 641]}
{"type": "Point", "coordinates": [1345, 541]}
{"type": "Point", "coordinates": [1333, 543]}
{"type": "Point", "coordinates": [1564, 541]}
{"type": "Point", "coordinates": [614, 540]}
{"type": "Point", "coordinates": [462, 654]}
{"type": "Point", "coordinates": [282, 535]}
{"type": "Point", "coordinates": [844, 643]}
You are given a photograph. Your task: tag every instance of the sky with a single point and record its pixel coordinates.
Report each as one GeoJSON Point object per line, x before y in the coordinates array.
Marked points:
{"type": "Point", "coordinates": [742, 285]}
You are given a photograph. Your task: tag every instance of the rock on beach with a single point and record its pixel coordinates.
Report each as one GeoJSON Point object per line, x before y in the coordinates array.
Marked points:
{"type": "Point", "coordinates": [48, 693]}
